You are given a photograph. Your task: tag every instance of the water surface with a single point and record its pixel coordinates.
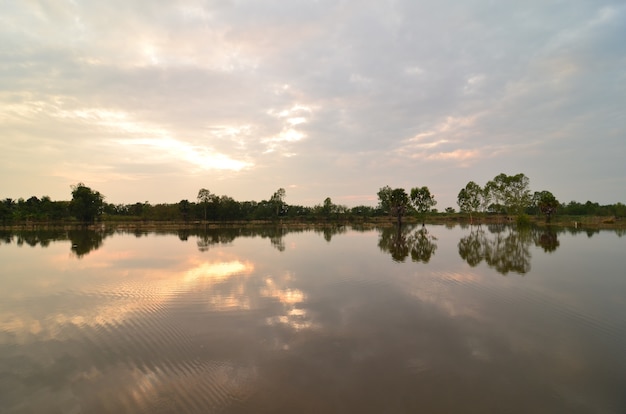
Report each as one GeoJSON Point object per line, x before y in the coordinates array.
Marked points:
{"type": "Point", "coordinates": [434, 320]}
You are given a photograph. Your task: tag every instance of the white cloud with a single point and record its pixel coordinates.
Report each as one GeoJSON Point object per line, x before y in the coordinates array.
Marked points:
{"type": "Point", "coordinates": [312, 91]}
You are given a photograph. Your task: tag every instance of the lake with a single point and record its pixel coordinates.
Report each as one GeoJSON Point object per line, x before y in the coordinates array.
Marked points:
{"type": "Point", "coordinates": [335, 320]}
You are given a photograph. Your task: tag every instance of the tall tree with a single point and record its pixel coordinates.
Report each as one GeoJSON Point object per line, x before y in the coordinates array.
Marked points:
{"type": "Point", "coordinates": [278, 201]}
{"type": "Point", "coordinates": [184, 207]}
{"type": "Point", "coordinates": [399, 202]}
{"type": "Point", "coordinates": [423, 201]}
{"type": "Point", "coordinates": [86, 204]}
{"type": "Point", "coordinates": [384, 199]}
{"type": "Point", "coordinates": [327, 208]}
{"type": "Point", "coordinates": [470, 199]}
{"type": "Point", "coordinates": [204, 196]}
{"type": "Point", "coordinates": [394, 202]}
{"type": "Point", "coordinates": [546, 203]}
{"type": "Point", "coordinates": [511, 191]}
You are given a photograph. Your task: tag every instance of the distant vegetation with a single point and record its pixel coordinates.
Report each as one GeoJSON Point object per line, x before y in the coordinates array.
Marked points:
{"type": "Point", "coordinates": [504, 196]}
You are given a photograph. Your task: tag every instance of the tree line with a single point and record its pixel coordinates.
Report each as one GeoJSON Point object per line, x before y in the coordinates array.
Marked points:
{"type": "Point", "coordinates": [504, 194]}
{"type": "Point", "coordinates": [88, 205]}
{"type": "Point", "coordinates": [511, 195]}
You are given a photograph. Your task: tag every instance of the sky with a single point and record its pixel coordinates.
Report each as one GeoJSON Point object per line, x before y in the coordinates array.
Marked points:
{"type": "Point", "coordinates": [152, 100]}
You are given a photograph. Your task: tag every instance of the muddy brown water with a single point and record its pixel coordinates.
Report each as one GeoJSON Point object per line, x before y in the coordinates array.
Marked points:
{"type": "Point", "coordinates": [336, 320]}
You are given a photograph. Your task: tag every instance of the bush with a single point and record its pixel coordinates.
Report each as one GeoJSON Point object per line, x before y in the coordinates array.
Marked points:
{"type": "Point", "coordinates": [522, 220]}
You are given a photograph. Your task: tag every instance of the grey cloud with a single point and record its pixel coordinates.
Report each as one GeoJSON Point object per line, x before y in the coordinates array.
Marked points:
{"type": "Point", "coordinates": [526, 77]}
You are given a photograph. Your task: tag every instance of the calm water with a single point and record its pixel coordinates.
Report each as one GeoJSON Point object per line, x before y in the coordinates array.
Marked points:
{"type": "Point", "coordinates": [445, 320]}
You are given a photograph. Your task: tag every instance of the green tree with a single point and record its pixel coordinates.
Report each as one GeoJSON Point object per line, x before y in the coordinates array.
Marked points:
{"type": "Point", "coordinates": [327, 207]}
{"type": "Point", "coordinates": [184, 207]}
{"type": "Point", "coordinates": [7, 208]}
{"type": "Point", "coordinates": [384, 199]}
{"type": "Point", "coordinates": [423, 201]}
{"type": "Point", "coordinates": [393, 202]}
{"type": "Point", "coordinates": [86, 205]}
{"type": "Point", "coordinates": [511, 191]}
{"type": "Point", "coordinates": [278, 201]}
{"type": "Point", "coordinates": [399, 203]}
{"type": "Point", "coordinates": [204, 197]}
{"type": "Point", "coordinates": [470, 199]}
{"type": "Point", "coordinates": [546, 203]}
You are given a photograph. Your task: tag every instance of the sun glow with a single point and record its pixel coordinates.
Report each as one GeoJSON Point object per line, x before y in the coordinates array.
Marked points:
{"type": "Point", "coordinates": [201, 157]}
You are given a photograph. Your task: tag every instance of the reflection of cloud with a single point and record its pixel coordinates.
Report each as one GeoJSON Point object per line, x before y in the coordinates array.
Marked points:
{"type": "Point", "coordinates": [295, 317]}
{"type": "Point", "coordinates": [438, 294]}
{"type": "Point", "coordinates": [223, 382]}
{"type": "Point", "coordinates": [286, 296]}
{"type": "Point", "coordinates": [117, 300]}
{"type": "Point", "coordinates": [217, 271]}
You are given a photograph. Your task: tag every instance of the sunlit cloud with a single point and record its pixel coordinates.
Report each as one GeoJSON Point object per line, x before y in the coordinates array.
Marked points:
{"type": "Point", "coordinates": [239, 134]}
{"type": "Point", "coordinates": [459, 155]}
{"type": "Point", "coordinates": [153, 143]}
{"type": "Point", "coordinates": [170, 149]}
{"type": "Point", "coordinates": [291, 118]}
{"type": "Point", "coordinates": [441, 142]}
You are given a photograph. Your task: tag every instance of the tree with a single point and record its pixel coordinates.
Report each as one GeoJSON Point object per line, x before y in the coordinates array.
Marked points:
{"type": "Point", "coordinates": [470, 199]}
{"type": "Point", "coordinates": [204, 196]}
{"type": "Point", "coordinates": [7, 207]}
{"type": "Point", "coordinates": [511, 191]}
{"type": "Point", "coordinates": [384, 199]}
{"type": "Point", "coordinates": [86, 204]}
{"type": "Point", "coordinates": [546, 203]}
{"type": "Point", "coordinates": [184, 207]}
{"type": "Point", "coordinates": [399, 202]}
{"type": "Point", "coordinates": [277, 201]}
{"type": "Point", "coordinates": [327, 207]}
{"type": "Point", "coordinates": [394, 202]}
{"type": "Point", "coordinates": [422, 201]}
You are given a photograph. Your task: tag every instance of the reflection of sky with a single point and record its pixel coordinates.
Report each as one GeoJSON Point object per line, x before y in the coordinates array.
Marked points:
{"type": "Point", "coordinates": [145, 323]}
{"type": "Point", "coordinates": [118, 281]}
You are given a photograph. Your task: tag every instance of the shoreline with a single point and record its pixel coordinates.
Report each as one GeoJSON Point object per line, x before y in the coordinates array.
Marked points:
{"type": "Point", "coordinates": [592, 222]}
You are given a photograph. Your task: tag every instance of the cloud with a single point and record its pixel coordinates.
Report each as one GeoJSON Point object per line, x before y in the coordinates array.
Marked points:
{"type": "Point", "coordinates": [162, 149]}
{"type": "Point", "coordinates": [293, 90]}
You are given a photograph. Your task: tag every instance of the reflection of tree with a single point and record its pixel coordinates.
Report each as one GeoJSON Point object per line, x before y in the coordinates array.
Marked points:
{"type": "Point", "coordinates": [275, 234]}
{"type": "Point", "coordinates": [394, 241]}
{"type": "Point", "coordinates": [547, 239]}
{"type": "Point", "coordinates": [183, 234]}
{"type": "Point", "coordinates": [472, 247]}
{"type": "Point", "coordinates": [277, 240]}
{"type": "Point", "coordinates": [400, 241]}
{"type": "Point", "coordinates": [208, 237]}
{"type": "Point", "coordinates": [422, 246]}
{"type": "Point", "coordinates": [84, 241]}
{"type": "Point", "coordinates": [507, 250]}
{"type": "Point", "coordinates": [330, 230]}
{"type": "Point", "coordinates": [212, 236]}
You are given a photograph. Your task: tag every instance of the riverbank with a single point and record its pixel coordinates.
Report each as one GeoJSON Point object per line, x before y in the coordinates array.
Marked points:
{"type": "Point", "coordinates": [595, 222]}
